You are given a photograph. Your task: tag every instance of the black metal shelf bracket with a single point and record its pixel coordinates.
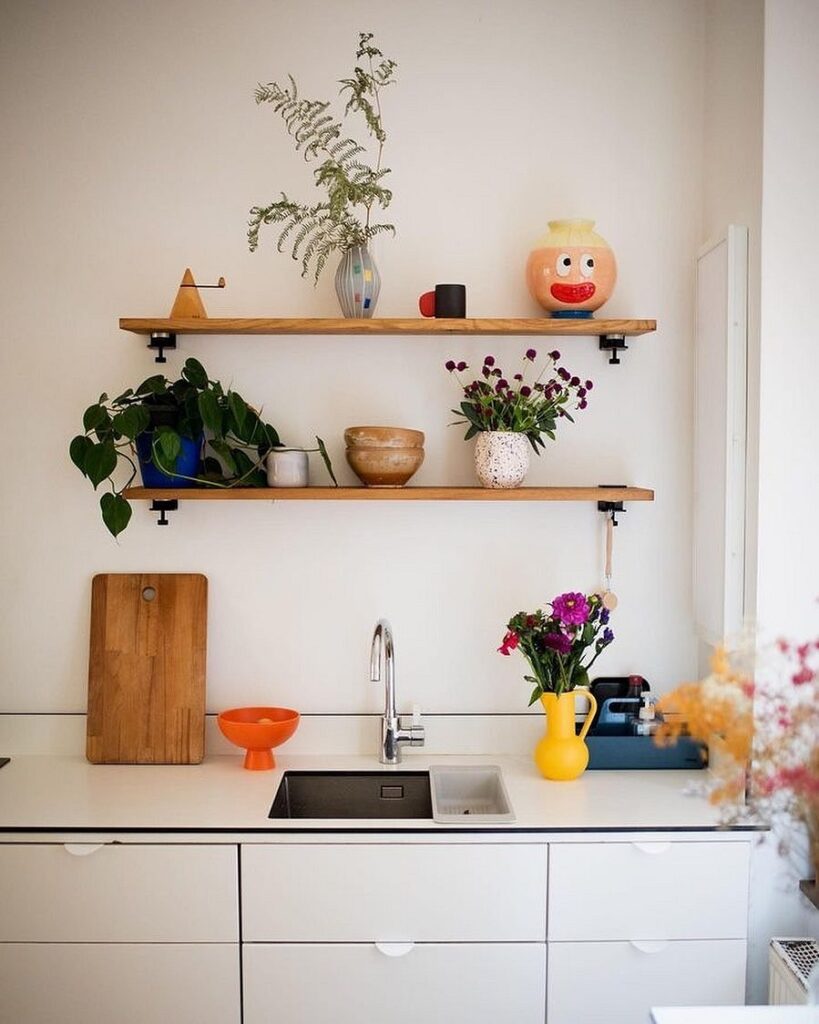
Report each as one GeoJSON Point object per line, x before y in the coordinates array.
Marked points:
{"type": "Point", "coordinates": [613, 344]}
{"type": "Point", "coordinates": [163, 507]}
{"type": "Point", "coordinates": [159, 341]}
{"type": "Point", "coordinates": [611, 507]}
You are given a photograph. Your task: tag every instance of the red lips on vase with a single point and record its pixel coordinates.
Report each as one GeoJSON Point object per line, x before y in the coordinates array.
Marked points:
{"type": "Point", "coordinates": [572, 292]}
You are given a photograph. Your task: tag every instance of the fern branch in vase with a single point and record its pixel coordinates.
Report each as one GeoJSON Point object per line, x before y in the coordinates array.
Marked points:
{"type": "Point", "coordinates": [355, 189]}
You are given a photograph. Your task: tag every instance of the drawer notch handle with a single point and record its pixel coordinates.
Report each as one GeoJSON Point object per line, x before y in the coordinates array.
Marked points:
{"type": "Point", "coordinates": [82, 849]}
{"type": "Point", "coordinates": [652, 848]}
{"type": "Point", "coordinates": [649, 947]}
{"type": "Point", "coordinates": [394, 948]}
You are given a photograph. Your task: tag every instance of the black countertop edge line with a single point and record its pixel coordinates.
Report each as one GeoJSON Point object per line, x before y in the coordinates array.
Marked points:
{"type": "Point", "coordinates": [83, 830]}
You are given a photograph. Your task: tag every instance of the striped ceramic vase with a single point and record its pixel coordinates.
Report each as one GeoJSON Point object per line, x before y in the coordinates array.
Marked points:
{"type": "Point", "coordinates": [357, 282]}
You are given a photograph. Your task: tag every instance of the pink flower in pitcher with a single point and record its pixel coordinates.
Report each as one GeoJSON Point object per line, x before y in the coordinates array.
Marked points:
{"type": "Point", "coordinates": [510, 642]}
{"type": "Point", "coordinates": [571, 609]}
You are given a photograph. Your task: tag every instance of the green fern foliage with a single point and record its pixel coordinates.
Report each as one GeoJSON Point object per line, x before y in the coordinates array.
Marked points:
{"type": "Point", "coordinates": [354, 189]}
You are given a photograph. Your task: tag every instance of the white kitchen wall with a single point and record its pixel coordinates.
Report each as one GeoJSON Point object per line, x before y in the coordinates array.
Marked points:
{"type": "Point", "coordinates": [754, 48]}
{"type": "Point", "coordinates": [789, 415]}
{"type": "Point", "coordinates": [132, 148]}
{"type": "Point", "coordinates": [732, 194]}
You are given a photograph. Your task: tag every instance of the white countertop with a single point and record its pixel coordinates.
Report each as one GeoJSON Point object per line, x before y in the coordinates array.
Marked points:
{"type": "Point", "coordinates": [736, 1015]}
{"type": "Point", "coordinates": [66, 794]}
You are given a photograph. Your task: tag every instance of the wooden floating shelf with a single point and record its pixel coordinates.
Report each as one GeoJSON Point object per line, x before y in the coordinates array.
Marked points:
{"type": "Point", "coordinates": [385, 325]}
{"type": "Point", "coordinates": [390, 494]}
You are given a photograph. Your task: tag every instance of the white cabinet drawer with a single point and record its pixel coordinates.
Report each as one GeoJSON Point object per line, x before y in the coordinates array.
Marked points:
{"type": "Point", "coordinates": [118, 893]}
{"type": "Point", "coordinates": [64, 983]}
{"type": "Point", "coordinates": [476, 983]}
{"type": "Point", "coordinates": [394, 893]}
{"type": "Point", "coordinates": [679, 890]}
{"type": "Point", "coordinates": [618, 982]}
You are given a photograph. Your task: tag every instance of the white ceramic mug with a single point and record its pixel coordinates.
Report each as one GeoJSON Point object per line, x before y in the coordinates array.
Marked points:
{"type": "Point", "coordinates": [287, 467]}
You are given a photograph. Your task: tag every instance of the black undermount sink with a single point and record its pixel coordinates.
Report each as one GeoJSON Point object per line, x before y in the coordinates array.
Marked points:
{"type": "Point", "coordinates": [353, 795]}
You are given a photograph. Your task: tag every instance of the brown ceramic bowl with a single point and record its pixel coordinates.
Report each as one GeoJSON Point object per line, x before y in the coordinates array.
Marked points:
{"type": "Point", "coordinates": [385, 467]}
{"type": "Point", "coordinates": [383, 437]}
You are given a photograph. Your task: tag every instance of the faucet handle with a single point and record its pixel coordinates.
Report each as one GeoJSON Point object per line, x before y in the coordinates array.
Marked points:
{"type": "Point", "coordinates": [416, 731]}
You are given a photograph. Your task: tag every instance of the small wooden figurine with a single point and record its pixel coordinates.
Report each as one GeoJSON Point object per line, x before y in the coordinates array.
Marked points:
{"type": "Point", "coordinates": [188, 300]}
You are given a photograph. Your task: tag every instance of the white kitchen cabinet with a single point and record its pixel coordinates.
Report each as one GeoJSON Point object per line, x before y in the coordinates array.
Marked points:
{"type": "Point", "coordinates": [648, 890]}
{"type": "Point", "coordinates": [119, 983]}
{"type": "Point", "coordinates": [137, 934]}
{"type": "Point", "coordinates": [392, 892]}
{"type": "Point", "coordinates": [639, 924]}
{"type": "Point", "coordinates": [80, 892]}
{"type": "Point", "coordinates": [456, 983]}
{"type": "Point", "coordinates": [618, 982]}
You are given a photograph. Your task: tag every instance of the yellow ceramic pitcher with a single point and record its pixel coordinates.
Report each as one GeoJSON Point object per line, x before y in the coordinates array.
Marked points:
{"type": "Point", "coordinates": [561, 754]}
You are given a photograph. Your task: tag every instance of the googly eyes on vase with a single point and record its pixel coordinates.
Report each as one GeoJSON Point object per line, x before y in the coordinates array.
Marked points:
{"type": "Point", "coordinates": [563, 265]}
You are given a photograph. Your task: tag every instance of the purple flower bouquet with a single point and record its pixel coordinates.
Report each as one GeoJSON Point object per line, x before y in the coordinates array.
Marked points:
{"type": "Point", "coordinates": [561, 645]}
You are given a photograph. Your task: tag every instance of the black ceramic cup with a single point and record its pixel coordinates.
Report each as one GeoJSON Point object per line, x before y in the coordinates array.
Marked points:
{"type": "Point", "coordinates": [448, 301]}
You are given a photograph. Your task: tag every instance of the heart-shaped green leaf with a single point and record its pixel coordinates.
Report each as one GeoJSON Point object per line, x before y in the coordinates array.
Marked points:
{"type": "Point", "coordinates": [116, 512]}
{"type": "Point", "coordinates": [167, 445]}
{"type": "Point", "coordinates": [194, 372]}
{"type": "Point", "coordinates": [78, 449]}
{"type": "Point", "coordinates": [100, 462]}
{"type": "Point", "coordinates": [93, 416]}
{"type": "Point", "coordinates": [155, 385]}
{"type": "Point", "coordinates": [238, 412]}
{"type": "Point", "coordinates": [210, 412]}
{"type": "Point", "coordinates": [127, 422]}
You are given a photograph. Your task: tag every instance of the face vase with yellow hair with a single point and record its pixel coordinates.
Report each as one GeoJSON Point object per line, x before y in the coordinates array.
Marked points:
{"type": "Point", "coordinates": [572, 271]}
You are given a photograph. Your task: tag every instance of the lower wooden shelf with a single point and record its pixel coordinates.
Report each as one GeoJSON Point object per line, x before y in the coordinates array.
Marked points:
{"type": "Point", "coordinates": [390, 494]}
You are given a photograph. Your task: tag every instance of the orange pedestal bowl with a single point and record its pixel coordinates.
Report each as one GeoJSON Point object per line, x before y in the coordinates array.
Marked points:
{"type": "Point", "coordinates": [258, 730]}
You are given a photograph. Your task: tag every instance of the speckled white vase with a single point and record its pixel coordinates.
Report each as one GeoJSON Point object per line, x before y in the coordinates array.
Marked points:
{"type": "Point", "coordinates": [501, 458]}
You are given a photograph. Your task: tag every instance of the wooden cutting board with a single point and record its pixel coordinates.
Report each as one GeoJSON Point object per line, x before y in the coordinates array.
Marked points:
{"type": "Point", "coordinates": [146, 673]}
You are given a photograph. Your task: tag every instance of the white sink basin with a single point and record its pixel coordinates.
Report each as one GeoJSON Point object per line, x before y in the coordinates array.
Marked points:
{"type": "Point", "coordinates": [466, 793]}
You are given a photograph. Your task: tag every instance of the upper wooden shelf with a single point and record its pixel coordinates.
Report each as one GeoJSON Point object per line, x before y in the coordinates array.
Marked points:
{"type": "Point", "coordinates": [384, 325]}
{"type": "Point", "coordinates": [390, 494]}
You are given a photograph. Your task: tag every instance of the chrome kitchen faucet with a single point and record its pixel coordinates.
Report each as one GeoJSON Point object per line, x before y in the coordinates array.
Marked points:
{"type": "Point", "coordinates": [382, 662]}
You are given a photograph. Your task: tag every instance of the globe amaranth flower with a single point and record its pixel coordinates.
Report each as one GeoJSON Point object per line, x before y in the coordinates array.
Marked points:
{"type": "Point", "coordinates": [509, 643]}
{"type": "Point", "coordinates": [571, 609]}
{"type": "Point", "coordinates": [489, 361]}
{"type": "Point", "coordinates": [563, 373]}
{"type": "Point", "coordinates": [461, 367]}
{"type": "Point", "coordinates": [525, 391]}
{"type": "Point", "coordinates": [531, 355]}
{"type": "Point", "coordinates": [589, 385]}
{"type": "Point", "coordinates": [449, 365]}
{"type": "Point", "coordinates": [558, 642]}
{"type": "Point", "coordinates": [554, 355]}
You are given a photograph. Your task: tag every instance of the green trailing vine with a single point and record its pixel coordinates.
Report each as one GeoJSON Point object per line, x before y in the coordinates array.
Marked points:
{"type": "Point", "coordinates": [354, 188]}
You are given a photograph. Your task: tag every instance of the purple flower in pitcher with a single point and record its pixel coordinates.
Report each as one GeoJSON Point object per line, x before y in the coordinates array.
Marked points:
{"type": "Point", "coordinates": [571, 609]}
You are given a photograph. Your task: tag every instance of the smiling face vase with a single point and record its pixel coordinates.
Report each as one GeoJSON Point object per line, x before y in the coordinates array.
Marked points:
{"type": "Point", "coordinates": [572, 271]}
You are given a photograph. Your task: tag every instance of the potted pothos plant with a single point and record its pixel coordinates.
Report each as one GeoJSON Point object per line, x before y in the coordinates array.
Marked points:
{"type": "Point", "coordinates": [343, 221]}
{"type": "Point", "coordinates": [188, 432]}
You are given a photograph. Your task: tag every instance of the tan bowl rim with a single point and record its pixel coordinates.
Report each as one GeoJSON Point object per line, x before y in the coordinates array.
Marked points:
{"type": "Point", "coordinates": [385, 452]}
{"type": "Point", "coordinates": [402, 437]}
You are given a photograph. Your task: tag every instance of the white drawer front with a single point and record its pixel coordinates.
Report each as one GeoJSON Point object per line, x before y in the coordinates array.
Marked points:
{"type": "Point", "coordinates": [618, 982]}
{"type": "Point", "coordinates": [477, 983]}
{"type": "Point", "coordinates": [394, 893]}
{"type": "Point", "coordinates": [81, 983]}
{"type": "Point", "coordinates": [118, 893]}
{"type": "Point", "coordinates": [679, 890]}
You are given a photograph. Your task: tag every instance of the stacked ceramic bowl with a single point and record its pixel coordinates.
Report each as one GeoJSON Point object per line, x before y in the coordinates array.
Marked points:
{"type": "Point", "coordinates": [384, 456]}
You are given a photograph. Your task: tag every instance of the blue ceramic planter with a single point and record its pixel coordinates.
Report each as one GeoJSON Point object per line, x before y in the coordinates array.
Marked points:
{"type": "Point", "coordinates": [187, 463]}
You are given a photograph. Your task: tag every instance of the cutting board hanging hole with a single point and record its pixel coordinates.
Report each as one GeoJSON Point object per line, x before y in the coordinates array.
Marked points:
{"type": "Point", "coordinates": [148, 594]}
